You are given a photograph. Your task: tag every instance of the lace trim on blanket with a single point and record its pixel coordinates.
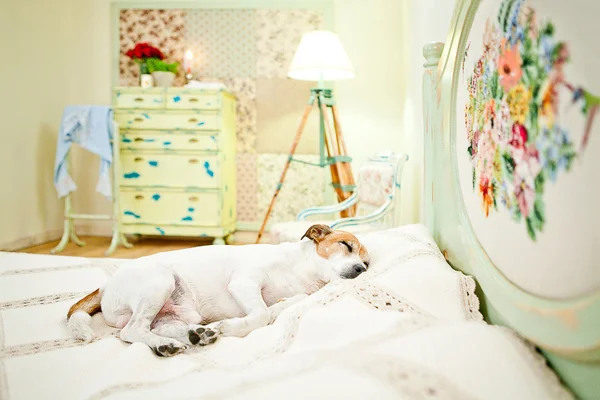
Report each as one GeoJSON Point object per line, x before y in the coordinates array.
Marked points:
{"type": "Point", "coordinates": [3, 377]}
{"type": "Point", "coordinates": [42, 300]}
{"type": "Point", "coordinates": [470, 298]}
{"type": "Point", "coordinates": [109, 267]}
{"type": "Point", "coordinates": [49, 345]}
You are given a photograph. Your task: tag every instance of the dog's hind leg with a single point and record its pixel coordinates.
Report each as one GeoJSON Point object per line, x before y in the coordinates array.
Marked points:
{"type": "Point", "coordinates": [192, 334]}
{"type": "Point", "coordinates": [151, 298]}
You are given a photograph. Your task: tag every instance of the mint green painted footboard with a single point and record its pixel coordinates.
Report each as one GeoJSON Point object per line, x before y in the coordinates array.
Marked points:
{"type": "Point", "coordinates": [565, 328]}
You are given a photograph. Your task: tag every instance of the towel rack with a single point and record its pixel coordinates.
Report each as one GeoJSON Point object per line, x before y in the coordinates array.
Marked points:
{"type": "Point", "coordinates": [118, 237]}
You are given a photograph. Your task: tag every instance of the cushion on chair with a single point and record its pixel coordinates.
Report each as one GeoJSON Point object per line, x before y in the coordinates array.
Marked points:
{"type": "Point", "coordinates": [375, 183]}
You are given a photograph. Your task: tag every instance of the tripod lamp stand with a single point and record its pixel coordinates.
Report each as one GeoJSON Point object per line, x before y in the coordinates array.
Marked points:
{"type": "Point", "coordinates": [321, 57]}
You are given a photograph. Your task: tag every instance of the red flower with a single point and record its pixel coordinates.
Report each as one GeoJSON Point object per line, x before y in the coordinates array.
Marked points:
{"type": "Point", "coordinates": [143, 51]}
{"type": "Point", "coordinates": [519, 136]}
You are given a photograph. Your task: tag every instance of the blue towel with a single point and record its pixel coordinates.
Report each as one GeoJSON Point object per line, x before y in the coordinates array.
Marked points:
{"type": "Point", "coordinates": [91, 128]}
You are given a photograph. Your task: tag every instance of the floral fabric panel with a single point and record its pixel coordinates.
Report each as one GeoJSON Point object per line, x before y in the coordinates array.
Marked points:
{"type": "Point", "coordinates": [278, 35]}
{"type": "Point", "coordinates": [247, 188]}
{"type": "Point", "coordinates": [163, 29]}
{"type": "Point", "coordinates": [516, 142]}
{"type": "Point", "coordinates": [304, 186]}
{"type": "Point", "coordinates": [223, 42]}
{"type": "Point", "coordinates": [375, 183]}
{"type": "Point", "coordinates": [244, 89]}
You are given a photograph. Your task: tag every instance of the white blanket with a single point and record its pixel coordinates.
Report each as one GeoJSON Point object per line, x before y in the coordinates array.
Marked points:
{"type": "Point", "coordinates": [408, 328]}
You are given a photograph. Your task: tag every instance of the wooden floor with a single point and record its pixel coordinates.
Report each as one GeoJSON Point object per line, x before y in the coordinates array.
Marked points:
{"type": "Point", "coordinates": [96, 246]}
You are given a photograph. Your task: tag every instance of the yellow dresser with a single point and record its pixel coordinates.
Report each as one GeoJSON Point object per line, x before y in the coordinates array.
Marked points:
{"type": "Point", "coordinates": [177, 162]}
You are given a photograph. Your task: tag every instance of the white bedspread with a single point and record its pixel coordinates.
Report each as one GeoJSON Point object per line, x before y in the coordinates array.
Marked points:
{"type": "Point", "coordinates": [408, 328]}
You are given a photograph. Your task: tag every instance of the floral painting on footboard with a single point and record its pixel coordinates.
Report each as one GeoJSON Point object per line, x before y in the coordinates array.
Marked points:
{"type": "Point", "coordinates": [515, 140]}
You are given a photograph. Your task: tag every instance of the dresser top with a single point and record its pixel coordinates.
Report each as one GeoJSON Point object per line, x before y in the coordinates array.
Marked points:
{"type": "Point", "coordinates": [171, 90]}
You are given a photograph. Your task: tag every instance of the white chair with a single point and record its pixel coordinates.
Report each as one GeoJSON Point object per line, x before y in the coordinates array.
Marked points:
{"type": "Point", "coordinates": [377, 199]}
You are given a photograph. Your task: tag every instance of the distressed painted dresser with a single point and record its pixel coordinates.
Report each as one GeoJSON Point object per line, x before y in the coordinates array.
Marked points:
{"type": "Point", "coordinates": [177, 161]}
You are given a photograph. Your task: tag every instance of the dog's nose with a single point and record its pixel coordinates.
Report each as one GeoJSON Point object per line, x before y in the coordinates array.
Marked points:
{"type": "Point", "coordinates": [359, 269]}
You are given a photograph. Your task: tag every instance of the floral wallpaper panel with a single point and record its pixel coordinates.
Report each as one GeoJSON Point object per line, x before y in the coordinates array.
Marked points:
{"type": "Point", "coordinates": [247, 188]}
{"type": "Point", "coordinates": [304, 186]}
{"type": "Point", "coordinates": [223, 42]}
{"type": "Point", "coordinates": [278, 36]}
{"type": "Point", "coordinates": [161, 28]}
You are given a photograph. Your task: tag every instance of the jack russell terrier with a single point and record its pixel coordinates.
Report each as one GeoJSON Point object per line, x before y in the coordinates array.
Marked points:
{"type": "Point", "coordinates": [175, 299]}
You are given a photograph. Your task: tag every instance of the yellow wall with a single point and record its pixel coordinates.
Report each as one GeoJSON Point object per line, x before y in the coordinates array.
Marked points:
{"type": "Point", "coordinates": [55, 53]}
{"type": "Point", "coordinates": [371, 105]}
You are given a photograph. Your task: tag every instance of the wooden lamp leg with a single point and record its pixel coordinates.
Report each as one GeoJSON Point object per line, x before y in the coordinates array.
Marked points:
{"type": "Point", "coordinates": [303, 121]}
{"type": "Point", "coordinates": [341, 172]}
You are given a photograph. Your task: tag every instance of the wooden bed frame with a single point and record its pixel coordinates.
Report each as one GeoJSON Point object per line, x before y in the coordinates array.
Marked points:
{"type": "Point", "coordinates": [567, 332]}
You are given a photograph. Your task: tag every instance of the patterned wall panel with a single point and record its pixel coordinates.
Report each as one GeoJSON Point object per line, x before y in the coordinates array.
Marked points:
{"type": "Point", "coordinates": [250, 52]}
{"type": "Point", "coordinates": [161, 28]}
{"type": "Point", "coordinates": [280, 104]}
{"type": "Point", "coordinates": [304, 186]}
{"type": "Point", "coordinates": [247, 188]}
{"type": "Point", "coordinates": [278, 36]}
{"type": "Point", "coordinates": [246, 112]}
{"type": "Point", "coordinates": [223, 42]}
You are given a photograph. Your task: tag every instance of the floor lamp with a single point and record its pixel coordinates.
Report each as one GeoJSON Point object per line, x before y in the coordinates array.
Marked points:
{"type": "Point", "coordinates": [320, 57]}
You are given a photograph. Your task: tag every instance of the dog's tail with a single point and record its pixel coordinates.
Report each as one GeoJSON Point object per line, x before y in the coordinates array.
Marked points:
{"type": "Point", "coordinates": [80, 316]}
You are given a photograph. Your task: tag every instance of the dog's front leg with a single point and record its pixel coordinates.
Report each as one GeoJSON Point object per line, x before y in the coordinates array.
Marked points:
{"type": "Point", "coordinates": [248, 295]}
{"type": "Point", "coordinates": [284, 304]}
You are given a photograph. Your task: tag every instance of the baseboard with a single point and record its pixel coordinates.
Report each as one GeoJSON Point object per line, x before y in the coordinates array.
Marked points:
{"type": "Point", "coordinates": [83, 228]}
{"type": "Point", "coordinates": [93, 228]}
{"type": "Point", "coordinates": [250, 226]}
{"type": "Point", "coordinates": [32, 240]}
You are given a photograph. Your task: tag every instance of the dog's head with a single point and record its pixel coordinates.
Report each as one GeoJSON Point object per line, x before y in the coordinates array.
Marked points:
{"type": "Point", "coordinates": [347, 257]}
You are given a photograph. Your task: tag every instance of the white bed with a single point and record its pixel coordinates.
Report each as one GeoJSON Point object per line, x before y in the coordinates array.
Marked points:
{"type": "Point", "coordinates": [408, 328]}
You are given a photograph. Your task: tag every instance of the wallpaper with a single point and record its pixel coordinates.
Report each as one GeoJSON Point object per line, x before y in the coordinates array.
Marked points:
{"type": "Point", "coordinates": [161, 28]}
{"type": "Point", "coordinates": [279, 31]}
{"type": "Point", "coordinates": [304, 186]}
{"type": "Point", "coordinates": [223, 41]}
{"type": "Point", "coordinates": [250, 51]}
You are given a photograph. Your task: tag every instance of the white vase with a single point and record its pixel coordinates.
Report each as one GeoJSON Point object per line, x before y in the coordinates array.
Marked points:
{"type": "Point", "coordinates": [163, 78]}
{"type": "Point", "coordinates": [146, 80]}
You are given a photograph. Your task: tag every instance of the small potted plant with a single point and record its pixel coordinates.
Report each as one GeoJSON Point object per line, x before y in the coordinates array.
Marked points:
{"type": "Point", "coordinates": [162, 72]}
{"type": "Point", "coordinates": [151, 61]}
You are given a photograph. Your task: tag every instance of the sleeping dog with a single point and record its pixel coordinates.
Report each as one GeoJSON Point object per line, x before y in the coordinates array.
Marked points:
{"type": "Point", "coordinates": [175, 299]}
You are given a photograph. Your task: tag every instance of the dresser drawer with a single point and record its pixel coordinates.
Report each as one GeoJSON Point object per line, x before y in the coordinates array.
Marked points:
{"type": "Point", "coordinates": [170, 170]}
{"type": "Point", "coordinates": [149, 99]}
{"type": "Point", "coordinates": [164, 207]}
{"type": "Point", "coordinates": [153, 140]}
{"type": "Point", "coordinates": [180, 100]}
{"type": "Point", "coordinates": [172, 120]}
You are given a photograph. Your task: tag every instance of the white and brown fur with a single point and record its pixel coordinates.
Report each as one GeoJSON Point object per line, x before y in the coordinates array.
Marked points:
{"type": "Point", "coordinates": [175, 299]}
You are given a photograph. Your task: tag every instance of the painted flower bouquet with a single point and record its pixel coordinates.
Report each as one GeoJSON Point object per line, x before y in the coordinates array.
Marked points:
{"type": "Point", "coordinates": [515, 141]}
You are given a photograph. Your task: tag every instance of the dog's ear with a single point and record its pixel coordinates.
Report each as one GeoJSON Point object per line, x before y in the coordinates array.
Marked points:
{"type": "Point", "coordinates": [317, 233]}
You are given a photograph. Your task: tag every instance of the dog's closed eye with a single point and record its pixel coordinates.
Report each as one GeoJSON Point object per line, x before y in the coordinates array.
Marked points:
{"type": "Point", "coordinates": [348, 246]}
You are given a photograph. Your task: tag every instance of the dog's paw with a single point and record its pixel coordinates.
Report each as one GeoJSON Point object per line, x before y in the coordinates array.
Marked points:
{"type": "Point", "coordinates": [169, 349]}
{"type": "Point", "coordinates": [202, 336]}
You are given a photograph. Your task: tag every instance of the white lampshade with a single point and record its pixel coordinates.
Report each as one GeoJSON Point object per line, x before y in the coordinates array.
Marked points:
{"type": "Point", "coordinates": [321, 57]}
